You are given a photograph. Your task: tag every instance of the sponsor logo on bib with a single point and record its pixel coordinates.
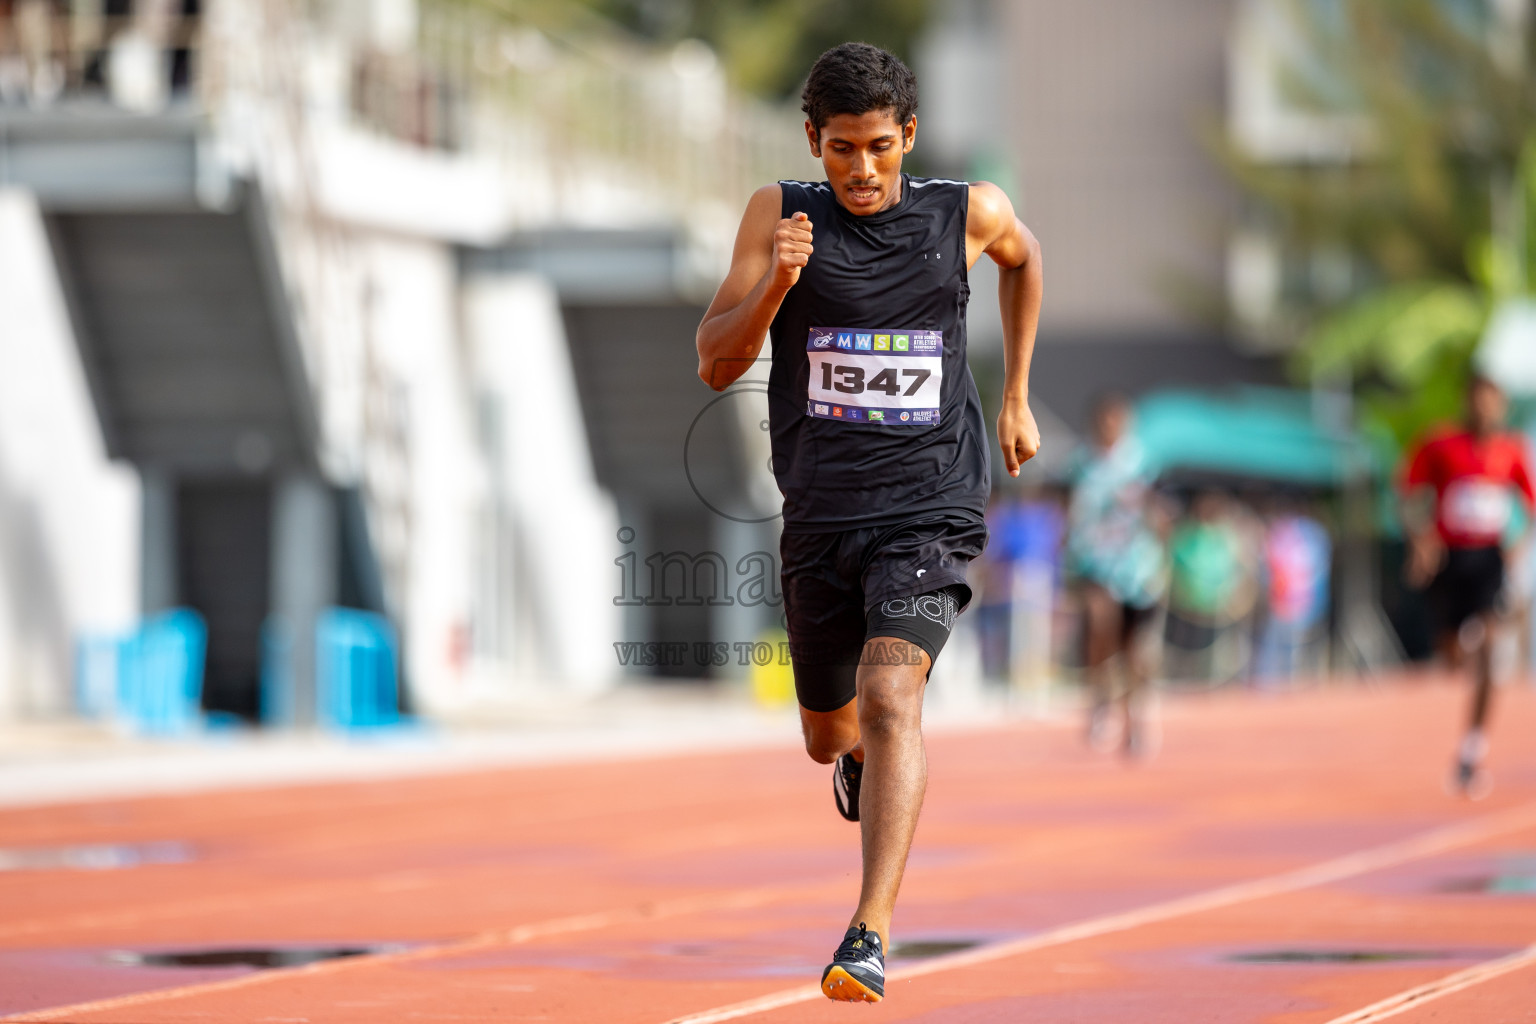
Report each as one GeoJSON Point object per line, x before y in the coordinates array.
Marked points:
{"type": "Point", "coordinates": [875, 376]}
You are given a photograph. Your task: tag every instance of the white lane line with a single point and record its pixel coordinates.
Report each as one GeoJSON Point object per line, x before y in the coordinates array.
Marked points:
{"type": "Point", "coordinates": [1385, 856]}
{"type": "Point", "coordinates": [1349, 866]}
{"type": "Point", "coordinates": [1430, 991]}
{"type": "Point", "coordinates": [711, 903]}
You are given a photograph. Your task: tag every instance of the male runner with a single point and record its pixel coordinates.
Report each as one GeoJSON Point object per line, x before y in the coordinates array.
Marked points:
{"type": "Point", "coordinates": [1458, 553]}
{"type": "Point", "coordinates": [1116, 552]}
{"type": "Point", "coordinates": [878, 441]}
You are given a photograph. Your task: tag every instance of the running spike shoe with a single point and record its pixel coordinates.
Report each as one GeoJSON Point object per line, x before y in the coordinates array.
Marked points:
{"type": "Point", "coordinates": [1099, 737]}
{"type": "Point", "coordinates": [847, 774]}
{"type": "Point", "coordinates": [1143, 737]}
{"type": "Point", "coordinates": [1470, 780]}
{"type": "Point", "coordinates": [1134, 745]}
{"type": "Point", "coordinates": [857, 971]}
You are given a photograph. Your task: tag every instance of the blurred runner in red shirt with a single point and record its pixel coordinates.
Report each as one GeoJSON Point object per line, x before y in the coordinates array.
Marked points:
{"type": "Point", "coordinates": [1470, 478]}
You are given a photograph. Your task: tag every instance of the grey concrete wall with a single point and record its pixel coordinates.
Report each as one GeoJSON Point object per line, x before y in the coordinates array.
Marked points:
{"type": "Point", "coordinates": [304, 560]}
{"type": "Point", "coordinates": [1105, 103]}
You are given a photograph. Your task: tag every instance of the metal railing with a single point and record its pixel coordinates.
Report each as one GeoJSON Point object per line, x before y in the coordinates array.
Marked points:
{"type": "Point", "coordinates": [140, 60]}
{"type": "Point", "coordinates": [602, 112]}
{"type": "Point", "coordinates": [568, 110]}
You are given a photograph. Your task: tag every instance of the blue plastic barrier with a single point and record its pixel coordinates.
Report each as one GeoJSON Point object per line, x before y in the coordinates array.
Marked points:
{"type": "Point", "coordinates": [160, 674]}
{"type": "Point", "coordinates": [96, 669]}
{"type": "Point", "coordinates": [357, 670]}
{"type": "Point", "coordinates": [277, 673]}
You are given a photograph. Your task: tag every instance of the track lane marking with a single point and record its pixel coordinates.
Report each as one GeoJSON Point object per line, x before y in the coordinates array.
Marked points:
{"type": "Point", "coordinates": [740, 900]}
{"type": "Point", "coordinates": [387, 881]}
{"type": "Point", "coordinates": [1427, 844]}
{"type": "Point", "coordinates": [1428, 992]}
{"type": "Point", "coordinates": [293, 892]}
{"type": "Point", "coordinates": [1389, 855]}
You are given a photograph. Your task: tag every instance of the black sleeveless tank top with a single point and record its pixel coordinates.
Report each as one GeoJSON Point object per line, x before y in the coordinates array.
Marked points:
{"type": "Point", "coordinates": [873, 411]}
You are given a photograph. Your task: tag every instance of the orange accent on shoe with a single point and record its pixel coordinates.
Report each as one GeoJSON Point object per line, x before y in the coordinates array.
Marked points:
{"type": "Point", "coordinates": [843, 987]}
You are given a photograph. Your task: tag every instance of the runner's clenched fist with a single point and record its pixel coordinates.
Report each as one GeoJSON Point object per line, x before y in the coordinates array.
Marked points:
{"type": "Point", "coordinates": [791, 249]}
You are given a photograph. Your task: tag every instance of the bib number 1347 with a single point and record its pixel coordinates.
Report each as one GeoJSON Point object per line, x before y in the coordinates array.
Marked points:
{"type": "Point", "coordinates": [862, 375]}
{"type": "Point", "coordinates": [850, 379]}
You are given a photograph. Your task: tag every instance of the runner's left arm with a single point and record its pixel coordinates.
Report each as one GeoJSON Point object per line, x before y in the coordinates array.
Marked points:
{"type": "Point", "coordinates": [1522, 479]}
{"type": "Point", "coordinates": [994, 229]}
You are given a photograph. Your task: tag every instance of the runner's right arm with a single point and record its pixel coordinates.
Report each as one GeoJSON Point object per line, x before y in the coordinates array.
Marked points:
{"type": "Point", "coordinates": [766, 263]}
{"type": "Point", "coordinates": [1426, 552]}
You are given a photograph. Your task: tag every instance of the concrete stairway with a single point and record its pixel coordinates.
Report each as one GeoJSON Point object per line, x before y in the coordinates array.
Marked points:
{"type": "Point", "coordinates": [189, 344]}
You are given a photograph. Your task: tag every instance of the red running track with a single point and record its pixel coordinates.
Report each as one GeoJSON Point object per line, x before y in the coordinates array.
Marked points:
{"type": "Point", "coordinates": [1288, 859]}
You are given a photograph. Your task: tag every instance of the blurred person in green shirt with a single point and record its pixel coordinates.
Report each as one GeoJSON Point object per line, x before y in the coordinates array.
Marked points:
{"type": "Point", "coordinates": [1208, 570]}
{"type": "Point", "coordinates": [1213, 554]}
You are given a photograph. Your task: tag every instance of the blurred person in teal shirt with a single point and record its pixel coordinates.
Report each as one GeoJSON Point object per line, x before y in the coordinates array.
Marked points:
{"type": "Point", "coordinates": [1115, 553]}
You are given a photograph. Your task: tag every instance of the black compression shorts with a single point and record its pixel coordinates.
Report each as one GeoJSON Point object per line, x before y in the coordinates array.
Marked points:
{"type": "Point", "coordinates": [905, 581]}
{"type": "Point", "coordinates": [1469, 584]}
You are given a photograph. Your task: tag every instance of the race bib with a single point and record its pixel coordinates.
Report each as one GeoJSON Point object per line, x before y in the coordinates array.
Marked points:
{"type": "Point", "coordinates": [1475, 508]}
{"type": "Point", "coordinates": [875, 376]}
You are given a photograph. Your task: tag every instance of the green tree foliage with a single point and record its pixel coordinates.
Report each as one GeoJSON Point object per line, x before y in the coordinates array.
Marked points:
{"type": "Point", "coordinates": [1436, 207]}
{"type": "Point", "coordinates": [768, 45]}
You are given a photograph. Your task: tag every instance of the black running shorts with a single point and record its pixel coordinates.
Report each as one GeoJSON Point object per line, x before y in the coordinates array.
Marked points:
{"type": "Point", "coordinates": [906, 580]}
{"type": "Point", "coordinates": [1134, 618]}
{"type": "Point", "coordinates": [1468, 585]}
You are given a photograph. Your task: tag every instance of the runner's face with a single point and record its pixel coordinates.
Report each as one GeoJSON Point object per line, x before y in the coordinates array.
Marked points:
{"type": "Point", "coordinates": [1111, 426]}
{"type": "Point", "coordinates": [1487, 407]}
{"type": "Point", "coordinates": [862, 157]}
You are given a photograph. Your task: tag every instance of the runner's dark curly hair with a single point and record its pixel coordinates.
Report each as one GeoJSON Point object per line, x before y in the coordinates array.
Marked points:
{"type": "Point", "coordinates": [855, 78]}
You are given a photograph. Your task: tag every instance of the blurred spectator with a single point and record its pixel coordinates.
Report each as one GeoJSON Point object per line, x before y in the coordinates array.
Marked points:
{"type": "Point", "coordinates": [13, 73]}
{"type": "Point", "coordinates": [1115, 553]}
{"type": "Point", "coordinates": [1213, 590]}
{"type": "Point", "coordinates": [139, 52]}
{"type": "Point", "coordinates": [1018, 586]}
{"type": "Point", "coordinates": [31, 40]}
{"type": "Point", "coordinates": [1296, 572]}
{"type": "Point", "coordinates": [138, 66]}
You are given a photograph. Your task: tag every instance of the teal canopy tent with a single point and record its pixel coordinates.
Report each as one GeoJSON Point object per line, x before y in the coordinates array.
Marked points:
{"type": "Point", "coordinates": [1260, 433]}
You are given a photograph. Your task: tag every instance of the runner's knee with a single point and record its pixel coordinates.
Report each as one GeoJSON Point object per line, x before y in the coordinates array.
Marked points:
{"type": "Point", "coordinates": [829, 736]}
{"type": "Point", "coordinates": [887, 708]}
{"type": "Point", "coordinates": [827, 745]}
